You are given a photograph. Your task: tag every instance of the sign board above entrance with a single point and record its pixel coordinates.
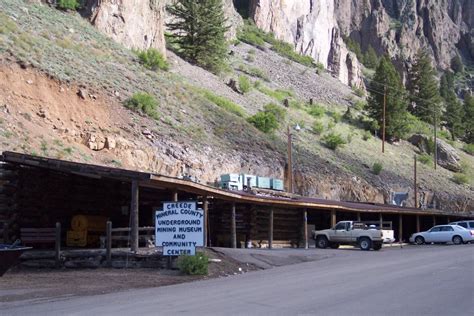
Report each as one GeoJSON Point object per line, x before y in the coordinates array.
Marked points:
{"type": "Point", "coordinates": [179, 228]}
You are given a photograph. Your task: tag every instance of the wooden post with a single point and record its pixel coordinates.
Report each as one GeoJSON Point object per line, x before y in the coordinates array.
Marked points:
{"type": "Point", "coordinates": [233, 228]}
{"type": "Point", "coordinates": [418, 223]}
{"type": "Point", "coordinates": [290, 162]}
{"type": "Point", "coordinates": [57, 245]}
{"type": "Point", "coordinates": [305, 223]}
{"type": "Point", "coordinates": [333, 218]}
{"type": "Point", "coordinates": [359, 217]}
{"type": "Point", "coordinates": [270, 229]}
{"type": "Point", "coordinates": [416, 189]}
{"type": "Point", "coordinates": [383, 119]}
{"type": "Point", "coordinates": [205, 207]}
{"type": "Point", "coordinates": [109, 244]}
{"type": "Point", "coordinates": [134, 217]}
{"type": "Point", "coordinates": [6, 238]}
{"type": "Point", "coordinates": [434, 220]}
{"type": "Point", "coordinates": [400, 228]}
{"type": "Point", "coordinates": [380, 221]}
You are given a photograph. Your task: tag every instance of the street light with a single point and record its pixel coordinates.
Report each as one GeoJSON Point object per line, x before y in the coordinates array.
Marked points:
{"type": "Point", "coordinates": [290, 157]}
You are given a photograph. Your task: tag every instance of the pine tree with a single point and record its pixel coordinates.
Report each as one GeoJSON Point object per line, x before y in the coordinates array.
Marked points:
{"type": "Point", "coordinates": [423, 89]}
{"type": "Point", "coordinates": [454, 115]}
{"type": "Point", "coordinates": [468, 118]}
{"type": "Point", "coordinates": [454, 109]}
{"type": "Point", "coordinates": [371, 59]}
{"type": "Point", "coordinates": [198, 29]}
{"type": "Point", "coordinates": [396, 105]}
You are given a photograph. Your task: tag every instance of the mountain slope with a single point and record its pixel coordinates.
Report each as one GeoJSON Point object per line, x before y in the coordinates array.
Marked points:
{"type": "Point", "coordinates": [47, 56]}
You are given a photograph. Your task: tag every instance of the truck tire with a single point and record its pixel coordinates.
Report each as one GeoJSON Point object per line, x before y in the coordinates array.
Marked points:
{"type": "Point", "coordinates": [365, 243]}
{"type": "Point", "coordinates": [322, 242]}
{"type": "Point", "coordinates": [377, 246]}
{"type": "Point", "coordinates": [334, 245]}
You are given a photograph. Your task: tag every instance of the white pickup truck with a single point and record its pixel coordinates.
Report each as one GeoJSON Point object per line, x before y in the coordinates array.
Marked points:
{"type": "Point", "coordinates": [349, 233]}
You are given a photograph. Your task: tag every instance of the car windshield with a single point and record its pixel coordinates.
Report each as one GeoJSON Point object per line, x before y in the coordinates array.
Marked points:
{"type": "Point", "coordinates": [471, 224]}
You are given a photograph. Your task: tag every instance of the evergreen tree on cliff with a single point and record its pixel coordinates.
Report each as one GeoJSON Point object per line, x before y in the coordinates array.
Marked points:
{"type": "Point", "coordinates": [468, 118]}
{"type": "Point", "coordinates": [423, 89]}
{"type": "Point", "coordinates": [198, 28]}
{"type": "Point", "coordinates": [396, 104]}
{"type": "Point", "coordinates": [454, 110]}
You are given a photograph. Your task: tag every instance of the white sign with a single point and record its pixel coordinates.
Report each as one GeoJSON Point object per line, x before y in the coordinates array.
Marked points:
{"type": "Point", "coordinates": [179, 228]}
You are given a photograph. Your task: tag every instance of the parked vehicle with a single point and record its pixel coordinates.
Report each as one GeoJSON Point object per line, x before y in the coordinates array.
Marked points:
{"type": "Point", "coordinates": [468, 224]}
{"type": "Point", "coordinates": [443, 234]}
{"type": "Point", "coordinates": [348, 233]}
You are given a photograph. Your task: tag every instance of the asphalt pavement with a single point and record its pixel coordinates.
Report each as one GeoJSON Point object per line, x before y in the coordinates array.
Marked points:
{"type": "Point", "coordinates": [414, 280]}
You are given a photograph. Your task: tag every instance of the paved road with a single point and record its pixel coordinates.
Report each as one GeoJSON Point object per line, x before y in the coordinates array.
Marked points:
{"type": "Point", "coordinates": [426, 280]}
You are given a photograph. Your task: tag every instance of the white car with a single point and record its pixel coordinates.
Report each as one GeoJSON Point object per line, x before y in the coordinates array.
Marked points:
{"type": "Point", "coordinates": [443, 234]}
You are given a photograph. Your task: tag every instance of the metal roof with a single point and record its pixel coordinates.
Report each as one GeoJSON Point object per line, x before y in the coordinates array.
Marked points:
{"type": "Point", "coordinates": [160, 181]}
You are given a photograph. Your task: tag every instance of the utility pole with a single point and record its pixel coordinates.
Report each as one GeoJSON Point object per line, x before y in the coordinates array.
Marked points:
{"type": "Point", "coordinates": [435, 141]}
{"type": "Point", "coordinates": [290, 162]}
{"type": "Point", "coordinates": [416, 191]}
{"type": "Point", "coordinates": [384, 114]}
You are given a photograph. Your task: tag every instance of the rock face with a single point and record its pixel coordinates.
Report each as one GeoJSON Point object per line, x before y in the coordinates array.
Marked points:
{"type": "Point", "coordinates": [133, 23]}
{"type": "Point", "coordinates": [397, 27]}
{"type": "Point", "coordinates": [311, 26]}
{"type": "Point", "coordinates": [448, 158]}
{"type": "Point", "coordinates": [141, 24]}
{"type": "Point", "coordinates": [402, 27]}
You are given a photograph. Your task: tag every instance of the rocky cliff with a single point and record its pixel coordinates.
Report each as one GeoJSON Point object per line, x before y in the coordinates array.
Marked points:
{"type": "Point", "coordinates": [397, 27]}
{"type": "Point", "coordinates": [141, 24]}
{"type": "Point", "coordinates": [312, 27]}
{"type": "Point", "coordinates": [402, 27]}
{"type": "Point", "coordinates": [134, 23]}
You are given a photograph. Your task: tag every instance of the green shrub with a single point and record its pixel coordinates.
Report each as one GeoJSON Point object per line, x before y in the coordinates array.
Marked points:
{"type": "Point", "coordinates": [336, 116]}
{"type": "Point", "coordinates": [425, 159]}
{"type": "Point", "coordinates": [143, 102]}
{"type": "Point", "coordinates": [244, 84]}
{"type": "Point", "coordinates": [257, 84]}
{"type": "Point", "coordinates": [460, 178]}
{"type": "Point", "coordinates": [68, 4]}
{"type": "Point", "coordinates": [377, 168]}
{"type": "Point", "coordinates": [358, 92]}
{"type": "Point", "coordinates": [366, 135]}
{"type": "Point", "coordinates": [252, 35]}
{"type": "Point", "coordinates": [416, 126]}
{"type": "Point", "coordinates": [316, 110]}
{"type": "Point", "coordinates": [278, 111]}
{"type": "Point", "coordinates": [331, 125]}
{"type": "Point", "coordinates": [153, 59]}
{"type": "Point", "coordinates": [264, 121]}
{"type": "Point", "coordinates": [224, 103]}
{"type": "Point", "coordinates": [445, 135]}
{"type": "Point", "coordinates": [317, 128]}
{"type": "Point", "coordinates": [333, 141]}
{"type": "Point", "coordinates": [360, 105]}
{"type": "Point", "coordinates": [469, 148]}
{"type": "Point", "coordinates": [194, 265]}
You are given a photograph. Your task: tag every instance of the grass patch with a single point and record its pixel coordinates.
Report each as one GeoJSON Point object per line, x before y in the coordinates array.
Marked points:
{"type": "Point", "coordinates": [278, 94]}
{"type": "Point", "coordinates": [244, 84]}
{"type": "Point", "coordinates": [224, 103]}
{"type": "Point", "coordinates": [316, 110]}
{"type": "Point", "coordinates": [317, 128]}
{"type": "Point", "coordinates": [425, 159]}
{"type": "Point", "coordinates": [460, 178]}
{"type": "Point", "coordinates": [468, 148]}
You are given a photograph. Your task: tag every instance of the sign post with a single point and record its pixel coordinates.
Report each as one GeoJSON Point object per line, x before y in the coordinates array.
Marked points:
{"type": "Point", "coordinates": [179, 228]}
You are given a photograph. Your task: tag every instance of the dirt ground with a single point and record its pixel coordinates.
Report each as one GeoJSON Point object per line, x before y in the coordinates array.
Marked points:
{"type": "Point", "coordinates": [22, 284]}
